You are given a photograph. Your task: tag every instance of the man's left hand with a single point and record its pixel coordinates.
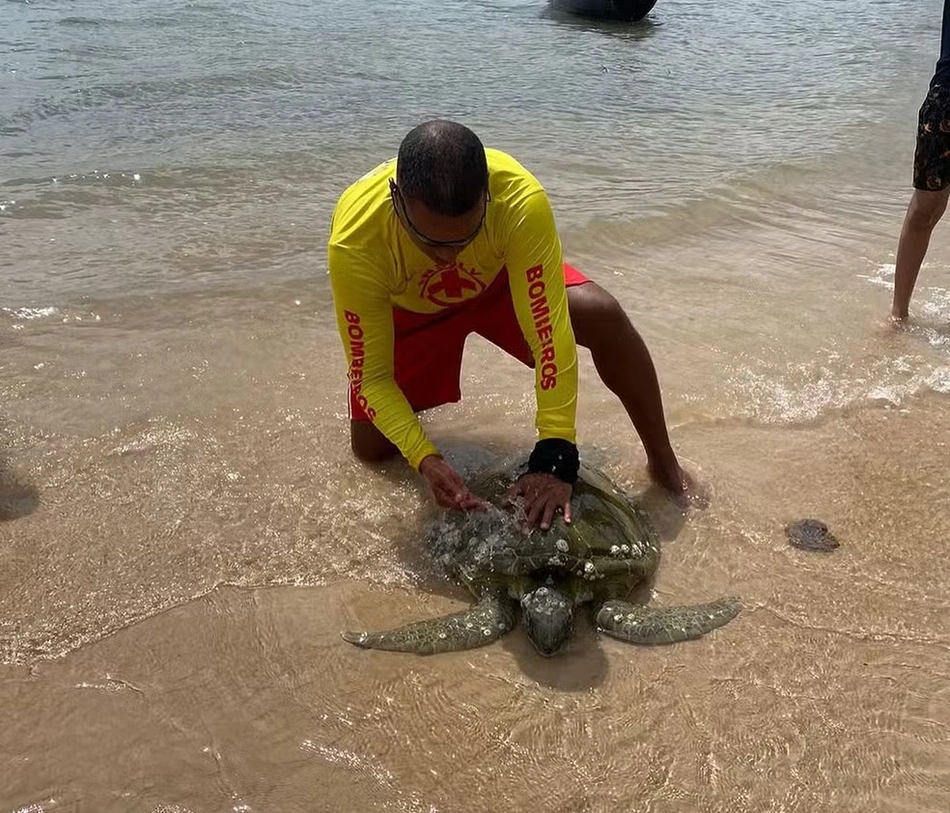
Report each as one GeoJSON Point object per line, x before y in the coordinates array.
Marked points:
{"type": "Point", "coordinates": [543, 495]}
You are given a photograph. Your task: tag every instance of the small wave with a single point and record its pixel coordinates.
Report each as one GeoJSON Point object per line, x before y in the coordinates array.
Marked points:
{"type": "Point", "coordinates": [96, 177]}
{"type": "Point", "coordinates": [19, 318]}
{"type": "Point", "coordinates": [118, 91]}
{"type": "Point", "coordinates": [883, 276]}
{"type": "Point", "coordinates": [937, 303]}
{"type": "Point", "coordinates": [82, 22]}
{"type": "Point", "coordinates": [37, 807]}
{"type": "Point", "coordinates": [29, 314]}
{"type": "Point", "coordinates": [54, 197]}
{"type": "Point", "coordinates": [939, 381]}
{"type": "Point", "coordinates": [932, 303]}
{"type": "Point", "coordinates": [807, 392]}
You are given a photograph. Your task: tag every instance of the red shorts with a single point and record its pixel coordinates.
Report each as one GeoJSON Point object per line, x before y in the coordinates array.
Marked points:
{"type": "Point", "coordinates": [427, 357]}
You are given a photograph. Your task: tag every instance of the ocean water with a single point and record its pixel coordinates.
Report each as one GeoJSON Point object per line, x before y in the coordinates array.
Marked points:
{"type": "Point", "coordinates": [183, 531]}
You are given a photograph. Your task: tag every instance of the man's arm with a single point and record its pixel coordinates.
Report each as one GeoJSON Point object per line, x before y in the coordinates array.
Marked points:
{"type": "Point", "coordinates": [364, 320]}
{"type": "Point", "coordinates": [536, 278]}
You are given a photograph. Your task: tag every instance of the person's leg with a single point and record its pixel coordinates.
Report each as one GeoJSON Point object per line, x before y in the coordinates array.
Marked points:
{"type": "Point", "coordinates": [623, 363]}
{"type": "Point", "coordinates": [620, 357]}
{"type": "Point", "coordinates": [929, 201]}
{"type": "Point", "coordinates": [923, 214]}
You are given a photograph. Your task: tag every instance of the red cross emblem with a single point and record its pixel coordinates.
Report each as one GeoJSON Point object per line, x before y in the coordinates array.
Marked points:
{"type": "Point", "coordinates": [451, 285]}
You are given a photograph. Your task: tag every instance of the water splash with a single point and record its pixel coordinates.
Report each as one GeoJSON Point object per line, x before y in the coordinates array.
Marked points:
{"type": "Point", "coordinates": [30, 314]}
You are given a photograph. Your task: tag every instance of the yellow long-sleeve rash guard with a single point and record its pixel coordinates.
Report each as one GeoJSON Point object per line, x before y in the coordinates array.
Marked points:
{"type": "Point", "coordinates": [374, 267]}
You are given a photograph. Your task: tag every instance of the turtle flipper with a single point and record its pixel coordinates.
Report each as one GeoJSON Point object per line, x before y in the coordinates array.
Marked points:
{"type": "Point", "coordinates": [664, 625]}
{"type": "Point", "coordinates": [481, 624]}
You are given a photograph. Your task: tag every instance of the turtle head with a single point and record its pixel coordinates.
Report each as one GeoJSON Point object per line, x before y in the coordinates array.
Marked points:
{"type": "Point", "coordinates": [548, 618]}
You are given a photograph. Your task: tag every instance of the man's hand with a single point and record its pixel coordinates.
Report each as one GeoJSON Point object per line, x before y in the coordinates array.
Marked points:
{"type": "Point", "coordinates": [543, 495]}
{"type": "Point", "coordinates": [447, 486]}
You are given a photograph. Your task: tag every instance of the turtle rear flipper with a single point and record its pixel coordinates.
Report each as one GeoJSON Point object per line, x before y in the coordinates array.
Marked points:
{"type": "Point", "coordinates": [664, 625]}
{"type": "Point", "coordinates": [481, 624]}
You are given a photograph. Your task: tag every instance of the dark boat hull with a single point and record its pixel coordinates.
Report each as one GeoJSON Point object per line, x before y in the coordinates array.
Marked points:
{"type": "Point", "coordinates": [627, 10]}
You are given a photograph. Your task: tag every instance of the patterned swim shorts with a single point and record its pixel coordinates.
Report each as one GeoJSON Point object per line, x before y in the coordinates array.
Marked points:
{"type": "Point", "coordinates": [932, 156]}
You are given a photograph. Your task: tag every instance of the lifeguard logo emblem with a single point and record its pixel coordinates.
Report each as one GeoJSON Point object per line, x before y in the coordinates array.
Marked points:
{"type": "Point", "coordinates": [449, 285]}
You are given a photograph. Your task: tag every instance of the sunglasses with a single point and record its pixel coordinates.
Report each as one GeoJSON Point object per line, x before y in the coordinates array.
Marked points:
{"type": "Point", "coordinates": [399, 204]}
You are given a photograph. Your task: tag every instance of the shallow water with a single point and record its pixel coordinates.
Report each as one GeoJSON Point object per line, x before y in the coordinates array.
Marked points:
{"type": "Point", "coordinates": [184, 534]}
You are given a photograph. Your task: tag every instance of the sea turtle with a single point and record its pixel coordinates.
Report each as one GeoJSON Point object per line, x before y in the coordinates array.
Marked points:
{"type": "Point", "coordinates": [597, 559]}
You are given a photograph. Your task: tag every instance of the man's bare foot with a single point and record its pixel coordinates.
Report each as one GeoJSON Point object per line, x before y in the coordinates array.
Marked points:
{"type": "Point", "coordinates": [680, 485]}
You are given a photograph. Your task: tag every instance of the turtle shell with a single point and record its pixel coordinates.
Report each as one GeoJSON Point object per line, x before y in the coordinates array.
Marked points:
{"type": "Point", "coordinates": [608, 536]}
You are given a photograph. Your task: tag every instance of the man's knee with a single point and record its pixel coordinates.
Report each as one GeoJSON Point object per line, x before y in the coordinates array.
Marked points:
{"type": "Point", "coordinates": [596, 315]}
{"type": "Point", "coordinates": [369, 445]}
{"type": "Point", "coordinates": [926, 209]}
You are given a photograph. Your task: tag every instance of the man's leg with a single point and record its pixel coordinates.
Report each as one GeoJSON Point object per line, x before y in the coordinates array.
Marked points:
{"type": "Point", "coordinates": [624, 365]}
{"type": "Point", "coordinates": [924, 212]}
{"type": "Point", "coordinates": [369, 444]}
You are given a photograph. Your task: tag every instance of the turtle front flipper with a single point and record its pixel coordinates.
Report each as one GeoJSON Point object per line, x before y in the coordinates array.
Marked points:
{"type": "Point", "coordinates": [481, 624]}
{"type": "Point", "coordinates": [664, 625]}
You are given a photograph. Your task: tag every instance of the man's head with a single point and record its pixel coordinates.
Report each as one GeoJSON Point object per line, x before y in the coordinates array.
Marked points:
{"type": "Point", "coordinates": [441, 189]}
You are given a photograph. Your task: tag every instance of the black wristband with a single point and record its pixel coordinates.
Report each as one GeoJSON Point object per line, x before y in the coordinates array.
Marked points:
{"type": "Point", "coordinates": [555, 456]}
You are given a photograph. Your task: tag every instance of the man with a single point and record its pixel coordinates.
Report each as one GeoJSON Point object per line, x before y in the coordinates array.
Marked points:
{"type": "Point", "coordinates": [452, 239]}
{"type": "Point", "coordinates": [931, 178]}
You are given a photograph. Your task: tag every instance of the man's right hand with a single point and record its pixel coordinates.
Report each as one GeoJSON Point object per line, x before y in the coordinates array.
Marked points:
{"type": "Point", "coordinates": [447, 486]}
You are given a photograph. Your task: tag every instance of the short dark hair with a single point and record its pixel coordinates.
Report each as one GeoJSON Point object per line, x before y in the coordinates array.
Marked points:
{"type": "Point", "coordinates": [442, 164]}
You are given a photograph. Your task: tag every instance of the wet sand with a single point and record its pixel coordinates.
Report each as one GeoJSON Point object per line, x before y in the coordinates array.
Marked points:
{"type": "Point", "coordinates": [829, 692]}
